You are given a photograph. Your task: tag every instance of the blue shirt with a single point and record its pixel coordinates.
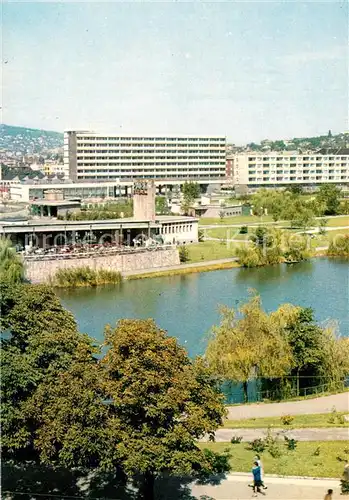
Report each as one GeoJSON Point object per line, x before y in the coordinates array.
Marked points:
{"type": "Point", "coordinates": [256, 471]}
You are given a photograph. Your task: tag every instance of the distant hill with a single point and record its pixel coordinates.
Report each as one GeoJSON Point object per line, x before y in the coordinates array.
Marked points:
{"type": "Point", "coordinates": [303, 144]}
{"type": "Point", "coordinates": [29, 140]}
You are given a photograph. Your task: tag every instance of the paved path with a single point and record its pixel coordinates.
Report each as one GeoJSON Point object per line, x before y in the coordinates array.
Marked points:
{"type": "Point", "coordinates": [180, 266]}
{"type": "Point", "coordinates": [310, 434]}
{"type": "Point", "coordinates": [235, 487]}
{"type": "Point", "coordinates": [322, 404]}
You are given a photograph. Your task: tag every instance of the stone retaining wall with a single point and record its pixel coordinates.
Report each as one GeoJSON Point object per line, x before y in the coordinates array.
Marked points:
{"type": "Point", "coordinates": [40, 271]}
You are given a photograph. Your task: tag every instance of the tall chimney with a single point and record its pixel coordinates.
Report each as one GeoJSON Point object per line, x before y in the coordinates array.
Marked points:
{"type": "Point", "coordinates": [144, 200]}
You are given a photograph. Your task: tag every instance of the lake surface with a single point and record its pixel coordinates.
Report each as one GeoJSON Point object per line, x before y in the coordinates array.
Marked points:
{"type": "Point", "coordinates": [187, 306]}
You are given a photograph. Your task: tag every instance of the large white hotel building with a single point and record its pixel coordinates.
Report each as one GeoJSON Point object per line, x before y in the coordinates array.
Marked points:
{"type": "Point", "coordinates": [95, 157]}
{"type": "Point", "coordinates": [276, 169]}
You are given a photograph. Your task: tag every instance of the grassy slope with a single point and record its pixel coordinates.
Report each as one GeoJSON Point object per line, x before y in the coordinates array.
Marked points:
{"type": "Point", "coordinates": [342, 220]}
{"type": "Point", "coordinates": [338, 221]}
{"type": "Point", "coordinates": [324, 240]}
{"type": "Point", "coordinates": [300, 421]}
{"type": "Point", "coordinates": [299, 462]}
{"type": "Point", "coordinates": [241, 219]}
{"type": "Point", "coordinates": [209, 250]}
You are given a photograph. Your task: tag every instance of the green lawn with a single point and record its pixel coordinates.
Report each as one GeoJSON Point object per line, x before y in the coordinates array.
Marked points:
{"type": "Point", "coordinates": [300, 421]}
{"type": "Point", "coordinates": [239, 219]}
{"type": "Point", "coordinates": [209, 250]}
{"type": "Point", "coordinates": [343, 220]}
{"type": "Point", "coordinates": [314, 459]}
{"type": "Point", "coordinates": [324, 240]}
{"type": "Point", "coordinates": [225, 233]}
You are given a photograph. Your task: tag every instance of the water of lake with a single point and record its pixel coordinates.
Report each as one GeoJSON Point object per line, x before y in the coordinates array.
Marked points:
{"type": "Point", "coordinates": [187, 306]}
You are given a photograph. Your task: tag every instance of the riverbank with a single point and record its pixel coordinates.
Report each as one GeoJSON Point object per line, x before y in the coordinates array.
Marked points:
{"type": "Point", "coordinates": [196, 267]}
{"type": "Point", "coordinates": [200, 267]}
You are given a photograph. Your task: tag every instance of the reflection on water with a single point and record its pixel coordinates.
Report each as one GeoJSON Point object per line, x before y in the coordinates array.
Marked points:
{"type": "Point", "coordinates": [188, 305]}
{"type": "Point", "coordinates": [276, 273]}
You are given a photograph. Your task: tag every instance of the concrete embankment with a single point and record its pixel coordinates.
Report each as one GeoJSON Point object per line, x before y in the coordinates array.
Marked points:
{"type": "Point", "coordinates": [42, 270]}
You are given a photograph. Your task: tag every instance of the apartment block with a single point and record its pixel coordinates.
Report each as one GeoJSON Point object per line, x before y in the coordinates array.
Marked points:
{"type": "Point", "coordinates": [95, 157]}
{"type": "Point", "coordinates": [275, 169]}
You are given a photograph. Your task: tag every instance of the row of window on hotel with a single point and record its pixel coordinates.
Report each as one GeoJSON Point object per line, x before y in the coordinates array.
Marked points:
{"type": "Point", "coordinates": [97, 152]}
{"type": "Point", "coordinates": [151, 159]}
{"type": "Point", "coordinates": [151, 139]}
{"type": "Point", "coordinates": [138, 170]}
{"type": "Point", "coordinates": [298, 158]}
{"type": "Point", "coordinates": [179, 228]}
{"type": "Point", "coordinates": [304, 178]}
{"type": "Point", "coordinates": [128, 177]}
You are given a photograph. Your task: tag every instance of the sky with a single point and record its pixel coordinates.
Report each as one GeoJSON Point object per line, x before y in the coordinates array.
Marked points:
{"type": "Point", "coordinates": [246, 70]}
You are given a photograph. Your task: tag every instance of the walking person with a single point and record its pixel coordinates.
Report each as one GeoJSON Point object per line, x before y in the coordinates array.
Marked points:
{"type": "Point", "coordinates": [257, 459]}
{"type": "Point", "coordinates": [328, 495]}
{"type": "Point", "coordinates": [257, 479]}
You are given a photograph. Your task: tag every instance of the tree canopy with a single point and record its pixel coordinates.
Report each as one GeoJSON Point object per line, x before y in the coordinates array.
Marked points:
{"type": "Point", "coordinates": [40, 339]}
{"type": "Point", "coordinates": [139, 408]}
{"type": "Point", "coordinates": [191, 190]}
{"type": "Point", "coordinates": [328, 195]}
{"type": "Point", "coordinates": [161, 400]}
{"type": "Point", "coordinates": [249, 344]}
{"type": "Point", "coordinates": [11, 264]}
{"type": "Point", "coordinates": [285, 344]}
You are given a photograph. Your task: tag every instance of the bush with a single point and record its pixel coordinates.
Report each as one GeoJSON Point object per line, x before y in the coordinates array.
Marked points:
{"type": "Point", "coordinates": [85, 276]}
{"type": "Point", "coordinates": [290, 443]}
{"type": "Point", "coordinates": [183, 254]}
{"type": "Point", "coordinates": [286, 419]}
{"type": "Point", "coordinates": [275, 449]}
{"type": "Point", "coordinates": [344, 487]}
{"type": "Point", "coordinates": [333, 417]}
{"type": "Point", "coordinates": [243, 230]}
{"type": "Point", "coordinates": [216, 463]}
{"type": "Point", "coordinates": [341, 419]}
{"type": "Point", "coordinates": [257, 445]}
{"type": "Point", "coordinates": [339, 246]}
{"type": "Point", "coordinates": [236, 439]}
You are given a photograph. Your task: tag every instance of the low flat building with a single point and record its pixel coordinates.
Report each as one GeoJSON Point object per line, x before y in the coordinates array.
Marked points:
{"type": "Point", "coordinates": [54, 208]}
{"type": "Point", "coordinates": [32, 190]}
{"type": "Point", "coordinates": [215, 211]}
{"type": "Point", "coordinates": [127, 231]}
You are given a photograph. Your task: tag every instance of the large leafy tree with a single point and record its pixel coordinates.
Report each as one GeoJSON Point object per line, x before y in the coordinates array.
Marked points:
{"type": "Point", "coordinates": [299, 213]}
{"type": "Point", "coordinates": [40, 338]}
{"type": "Point", "coordinates": [251, 344]}
{"type": "Point", "coordinates": [191, 190]}
{"type": "Point", "coordinates": [317, 352]}
{"type": "Point", "coordinates": [11, 264]}
{"type": "Point", "coordinates": [161, 403]}
{"type": "Point", "coordinates": [274, 201]}
{"type": "Point", "coordinates": [328, 196]}
{"type": "Point", "coordinates": [70, 413]}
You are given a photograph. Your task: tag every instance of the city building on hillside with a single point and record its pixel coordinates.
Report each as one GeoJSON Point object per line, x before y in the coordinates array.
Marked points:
{"type": "Point", "coordinates": [91, 157]}
{"type": "Point", "coordinates": [53, 168]}
{"type": "Point", "coordinates": [281, 169]}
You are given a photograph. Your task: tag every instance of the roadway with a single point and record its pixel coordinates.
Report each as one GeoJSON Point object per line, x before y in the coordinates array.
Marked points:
{"type": "Point", "coordinates": [235, 487]}
{"type": "Point", "coordinates": [323, 404]}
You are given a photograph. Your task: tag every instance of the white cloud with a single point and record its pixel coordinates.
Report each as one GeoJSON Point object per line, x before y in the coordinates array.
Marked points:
{"type": "Point", "coordinates": [338, 53]}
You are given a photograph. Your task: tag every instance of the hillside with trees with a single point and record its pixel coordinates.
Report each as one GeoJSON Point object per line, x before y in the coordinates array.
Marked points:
{"type": "Point", "coordinates": [29, 140]}
{"type": "Point", "coordinates": [302, 144]}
